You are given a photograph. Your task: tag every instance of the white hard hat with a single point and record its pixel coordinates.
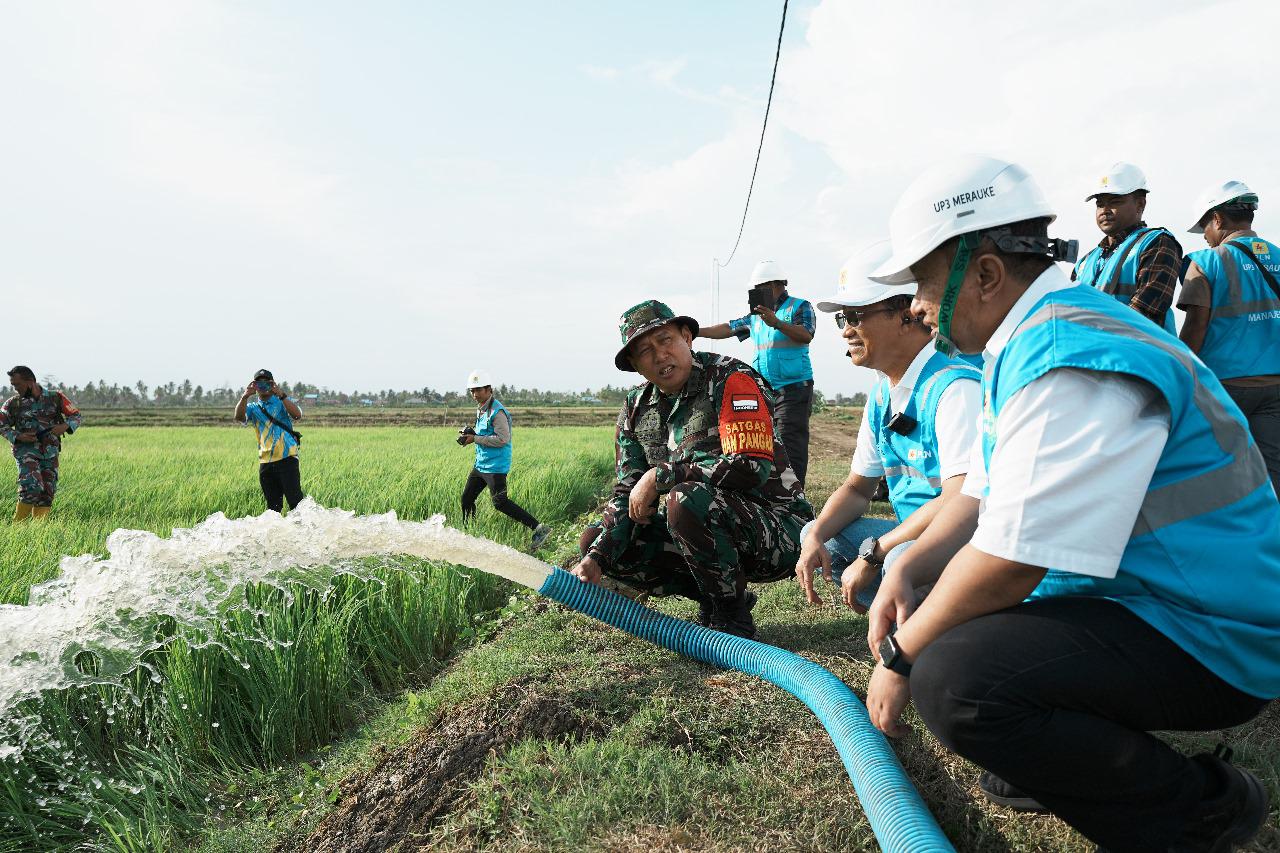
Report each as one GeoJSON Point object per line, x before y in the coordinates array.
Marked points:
{"type": "Point", "coordinates": [857, 288]}
{"type": "Point", "coordinates": [478, 379]}
{"type": "Point", "coordinates": [766, 271]}
{"type": "Point", "coordinates": [1220, 194]}
{"type": "Point", "coordinates": [1120, 179]}
{"type": "Point", "coordinates": [958, 196]}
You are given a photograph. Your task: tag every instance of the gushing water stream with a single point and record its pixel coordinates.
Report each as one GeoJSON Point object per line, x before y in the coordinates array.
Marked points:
{"type": "Point", "coordinates": [106, 608]}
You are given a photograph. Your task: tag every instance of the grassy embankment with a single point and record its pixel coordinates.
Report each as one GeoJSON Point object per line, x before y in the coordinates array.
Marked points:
{"type": "Point", "coordinates": [276, 682]}
{"type": "Point", "coordinates": [558, 733]}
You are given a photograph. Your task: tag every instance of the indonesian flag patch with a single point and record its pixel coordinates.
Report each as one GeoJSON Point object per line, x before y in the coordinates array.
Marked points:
{"type": "Point", "coordinates": [745, 424]}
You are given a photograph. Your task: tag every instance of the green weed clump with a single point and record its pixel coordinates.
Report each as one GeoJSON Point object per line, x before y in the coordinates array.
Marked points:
{"type": "Point", "coordinates": [132, 766]}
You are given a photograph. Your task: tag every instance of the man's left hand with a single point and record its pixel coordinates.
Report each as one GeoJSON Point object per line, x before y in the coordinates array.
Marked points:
{"type": "Point", "coordinates": [468, 438]}
{"type": "Point", "coordinates": [887, 697]}
{"type": "Point", "coordinates": [769, 316]}
{"type": "Point", "coordinates": [643, 502]}
{"type": "Point", "coordinates": [59, 429]}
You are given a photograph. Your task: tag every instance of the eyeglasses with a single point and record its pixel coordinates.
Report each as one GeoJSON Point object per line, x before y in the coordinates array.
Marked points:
{"type": "Point", "coordinates": [849, 317]}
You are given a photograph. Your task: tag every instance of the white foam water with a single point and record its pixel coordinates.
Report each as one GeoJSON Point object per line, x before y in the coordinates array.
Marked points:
{"type": "Point", "coordinates": [107, 607]}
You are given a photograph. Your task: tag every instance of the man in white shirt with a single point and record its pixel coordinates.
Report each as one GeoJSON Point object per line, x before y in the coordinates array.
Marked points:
{"type": "Point", "coordinates": [1062, 629]}
{"type": "Point", "coordinates": [917, 430]}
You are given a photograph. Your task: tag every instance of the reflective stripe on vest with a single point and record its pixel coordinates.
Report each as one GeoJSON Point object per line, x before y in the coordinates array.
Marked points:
{"type": "Point", "coordinates": [780, 360]}
{"type": "Point", "coordinates": [911, 464]}
{"type": "Point", "coordinates": [1243, 338]}
{"type": "Point", "coordinates": [493, 460]}
{"type": "Point", "coordinates": [1118, 274]}
{"type": "Point", "coordinates": [1202, 564]}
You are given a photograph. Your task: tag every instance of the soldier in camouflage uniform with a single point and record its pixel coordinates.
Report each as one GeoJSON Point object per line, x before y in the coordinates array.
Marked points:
{"type": "Point", "coordinates": [699, 431]}
{"type": "Point", "coordinates": [34, 421]}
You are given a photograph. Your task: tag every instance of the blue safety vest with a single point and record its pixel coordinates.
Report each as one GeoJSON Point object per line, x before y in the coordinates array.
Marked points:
{"type": "Point", "coordinates": [493, 460]}
{"type": "Point", "coordinates": [1243, 338]}
{"type": "Point", "coordinates": [1202, 564]}
{"type": "Point", "coordinates": [1118, 273]}
{"type": "Point", "coordinates": [911, 465]}
{"type": "Point", "coordinates": [780, 360]}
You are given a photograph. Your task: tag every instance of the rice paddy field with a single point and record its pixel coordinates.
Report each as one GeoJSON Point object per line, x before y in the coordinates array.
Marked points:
{"type": "Point", "coordinates": [130, 765]}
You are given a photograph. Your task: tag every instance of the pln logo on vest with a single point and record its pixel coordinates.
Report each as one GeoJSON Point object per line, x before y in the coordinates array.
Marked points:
{"type": "Point", "coordinates": [915, 454]}
{"type": "Point", "coordinates": [1261, 248]}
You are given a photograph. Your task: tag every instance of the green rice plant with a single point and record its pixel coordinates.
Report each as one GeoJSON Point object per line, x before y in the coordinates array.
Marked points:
{"type": "Point", "coordinates": [135, 766]}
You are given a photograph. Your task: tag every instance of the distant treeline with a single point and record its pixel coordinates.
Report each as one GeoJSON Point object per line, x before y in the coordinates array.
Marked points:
{"type": "Point", "coordinates": [100, 395]}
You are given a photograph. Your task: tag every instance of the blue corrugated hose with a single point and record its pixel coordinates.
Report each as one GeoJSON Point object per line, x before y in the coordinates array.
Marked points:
{"type": "Point", "coordinates": [899, 818]}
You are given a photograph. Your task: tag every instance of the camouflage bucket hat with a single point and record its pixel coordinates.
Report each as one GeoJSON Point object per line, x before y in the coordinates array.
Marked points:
{"type": "Point", "coordinates": [646, 317]}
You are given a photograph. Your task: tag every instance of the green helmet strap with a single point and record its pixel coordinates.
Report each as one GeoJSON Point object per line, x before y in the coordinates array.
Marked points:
{"type": "Point", "coordinates": [955, 278]}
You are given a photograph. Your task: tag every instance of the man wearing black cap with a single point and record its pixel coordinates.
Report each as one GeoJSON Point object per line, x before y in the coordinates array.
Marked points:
{"type": "Point", "coordinates": [699, 431]}
{"type": "Point", "coordinates": [272, 414]}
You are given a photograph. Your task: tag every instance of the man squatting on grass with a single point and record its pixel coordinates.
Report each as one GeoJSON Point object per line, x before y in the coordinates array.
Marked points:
{"type": "Point", "coordinates": [34, 420]}
{"type": "Point", "coordinates": [1062, 629]}
{"type": "Point", "coordinates": [272, 414]}
{"type": "Point", "coordinates": [699, 431]}
{"type": "Point", "coordinates": [492, 437]}
{"type": "Point", "coordinates": [917, 433]}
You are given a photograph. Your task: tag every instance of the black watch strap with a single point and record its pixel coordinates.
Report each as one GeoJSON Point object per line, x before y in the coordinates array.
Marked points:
{"type": "Point", "coordinates": [891, 657]}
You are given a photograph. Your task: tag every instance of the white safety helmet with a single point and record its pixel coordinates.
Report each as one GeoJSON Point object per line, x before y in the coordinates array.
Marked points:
{"type": "Point", "coordinates": [958, 196]}
{"type": "Point", "coordinates": [478, 379]}
{"type": "Point", "coordinates": [1120, 179]}
{"type": "Point", "coordinates": [766, 271]}
{"type": "Point", "coordinates": [1220, 194]}
{"type": "Point", "coordinates": [857, 288]}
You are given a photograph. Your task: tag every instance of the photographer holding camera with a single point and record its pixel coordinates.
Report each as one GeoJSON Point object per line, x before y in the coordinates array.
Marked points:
{"type": "Point", "coordinates": [492, 437]}
{"type": "Point", "coordinates": [272, 414]}
{"type": "Point", "coordinates": [781, 327]}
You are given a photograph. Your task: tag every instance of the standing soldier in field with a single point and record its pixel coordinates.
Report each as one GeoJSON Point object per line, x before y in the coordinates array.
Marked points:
{"type": "Point", "coordinates": [272, 414]}
{"type": "Point", "coordinates": [492, 437]}
{"type": "Point", "coordinates": [781, 329]}
{"type": "Point", "coordinates": [699, 431]}
{"type": "Point", "coordinates": [1135, 263]}
{"type": "Point", "coordinates": [33, 421]}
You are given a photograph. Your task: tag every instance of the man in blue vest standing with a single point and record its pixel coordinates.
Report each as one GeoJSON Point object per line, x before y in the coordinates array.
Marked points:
{"type": "Point", "coordinates": [492, 437]}
{"type": "Point", "coordinates": [266, 407]}
{"type": "Point", "coordinates": [1232, 298]}
{"type": "Point", "coordinates": [1061, 630]}
{"type": "Point", "coordinates": [781, 332]}
{"type": "Point", "coordinates": [917, 431]}
{"type": "Point", "coordinates": [1136, 264]}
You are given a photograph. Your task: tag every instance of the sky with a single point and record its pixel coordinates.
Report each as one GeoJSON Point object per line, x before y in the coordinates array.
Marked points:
{"type": "Point", "coordinates": [391, 194]}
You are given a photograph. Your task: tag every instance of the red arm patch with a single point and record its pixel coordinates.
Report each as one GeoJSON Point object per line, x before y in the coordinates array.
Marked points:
{"type": "Point", "coordinates": [68, 407]}
{"type": "Point", "coordinates": [745, 423]}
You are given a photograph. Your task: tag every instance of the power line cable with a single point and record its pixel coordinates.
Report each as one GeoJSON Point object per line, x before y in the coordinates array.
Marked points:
{"type": "Point", "coordinates": [760, 147]}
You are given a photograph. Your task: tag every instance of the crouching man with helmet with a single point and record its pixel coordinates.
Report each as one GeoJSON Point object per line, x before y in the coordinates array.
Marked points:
{"type": "Point", "coordinates": [1062, 629]}
{"type": "Point", "coordinates": [699, 432]}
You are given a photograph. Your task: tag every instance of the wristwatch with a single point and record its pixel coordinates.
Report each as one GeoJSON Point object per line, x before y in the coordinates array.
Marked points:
{"type": "Point", "coordinates": [867, 551]}
{"type": "Point", "coordinates": [891, 657]}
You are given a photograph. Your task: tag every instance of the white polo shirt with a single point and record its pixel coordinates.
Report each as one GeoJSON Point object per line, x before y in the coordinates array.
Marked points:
{"type": "Point", "coordinates": [1074, 454]}
{"type": "Point", "coordinates": [955, 423]}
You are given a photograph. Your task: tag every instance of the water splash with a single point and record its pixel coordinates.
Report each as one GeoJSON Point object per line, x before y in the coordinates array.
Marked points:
{"type": "Point", "coordinates": [95, 622]}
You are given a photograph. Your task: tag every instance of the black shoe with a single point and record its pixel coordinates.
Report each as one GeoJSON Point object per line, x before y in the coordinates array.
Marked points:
{"type": "Point", "coordinates": [704, 612]}
{"type": "Point", "coordinates": [1002, 793]}
{"type": "Point", "coordinates": [733, 615]}
{"type": "Point", "coordinates": [1233, 813]}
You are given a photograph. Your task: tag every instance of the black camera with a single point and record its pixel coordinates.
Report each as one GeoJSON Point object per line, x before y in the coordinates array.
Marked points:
{"type": "Point", "coordinates": [761, 296]}
{"type": "Point", "coordinates": [462, 433]}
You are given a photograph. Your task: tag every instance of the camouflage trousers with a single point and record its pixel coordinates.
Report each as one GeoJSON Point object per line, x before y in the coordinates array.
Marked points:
{"type": "Point", "coordinates": [706, 543]}
{"type": "Point", "coordinates": [37, 476]}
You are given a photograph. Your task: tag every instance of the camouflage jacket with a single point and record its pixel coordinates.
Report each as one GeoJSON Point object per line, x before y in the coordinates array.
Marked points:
{"type": "Point", "coordinates": [717, 430]}
{"type": "Point", "coordinates": [38, 415]}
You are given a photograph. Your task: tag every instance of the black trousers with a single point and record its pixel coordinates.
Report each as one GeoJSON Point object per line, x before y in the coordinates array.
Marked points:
{"type": "Point", "coordinates": [1261, 406]}
{"type": "Point", "coordinates": [791, 415]}
{"type": "Point", "coordinates": [1057, 697]}
{"type": "Point", "coordinates": [497, 484]}
{"type": "Point", "coordinates": [280, 481]}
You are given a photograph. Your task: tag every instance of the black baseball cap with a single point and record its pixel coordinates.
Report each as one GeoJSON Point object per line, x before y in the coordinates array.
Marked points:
{"type": "Point", "coordinates": [263, 374]}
